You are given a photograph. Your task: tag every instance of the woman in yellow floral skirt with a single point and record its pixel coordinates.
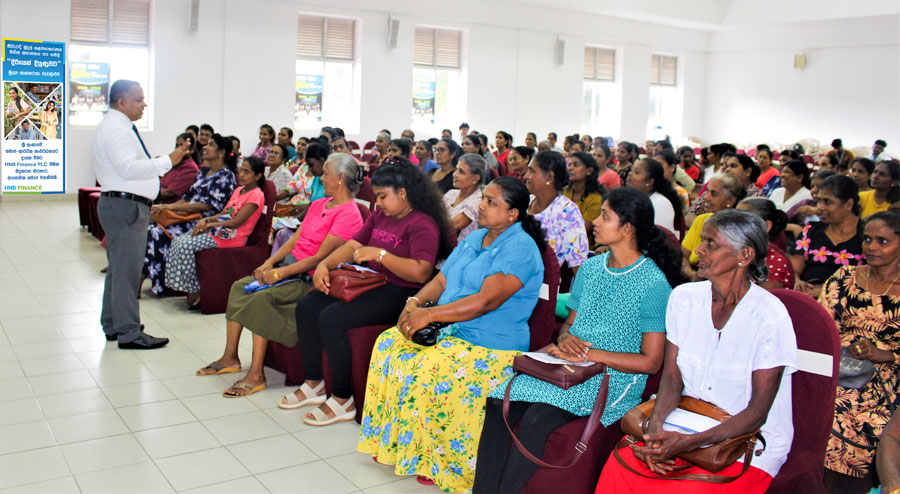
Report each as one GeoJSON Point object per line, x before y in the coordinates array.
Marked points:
{"type": "Point", "coordinates": [424, 406]}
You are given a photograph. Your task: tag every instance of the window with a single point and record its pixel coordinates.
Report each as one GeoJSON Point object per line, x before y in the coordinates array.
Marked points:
{"type": "Point", "coordinates": [325, 79]}
{"type": "Point", "coordinates": [602, 96]}
{"type": "Point", "coordinates": [436, 92]}
{"type": "Point", "coordinates": [666, 98]}
{"type": "Point", "coordinates": [110, 40]}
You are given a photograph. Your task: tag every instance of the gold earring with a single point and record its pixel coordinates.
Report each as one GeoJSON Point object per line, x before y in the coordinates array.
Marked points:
{"type": "Point", "coordinates": [340, 182]}
{"type": "Point", "coordinates": [548, 183]}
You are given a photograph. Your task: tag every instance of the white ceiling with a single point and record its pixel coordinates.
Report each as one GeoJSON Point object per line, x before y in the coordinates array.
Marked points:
{"type": "Point", "coordinates": [714, 15]}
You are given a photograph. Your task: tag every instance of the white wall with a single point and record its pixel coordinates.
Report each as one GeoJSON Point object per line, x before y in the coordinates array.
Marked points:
{"type": "Point", "coordinates": [849, 88]}
{"type": "Point", "coordinates": [237, 71]}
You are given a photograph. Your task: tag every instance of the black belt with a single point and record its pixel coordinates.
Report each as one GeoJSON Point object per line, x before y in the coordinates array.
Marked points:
{"type": "Point", "coordinates": [127, 195]}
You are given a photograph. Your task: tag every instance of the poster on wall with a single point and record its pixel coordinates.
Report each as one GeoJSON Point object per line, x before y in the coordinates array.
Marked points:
{"type": "Point", "coordinates": [423, 100]}
{"type": "Point", "coordinates": [34, 124]}
{"type": "Point", "coordinates": [89, 87]}
{"type": "Point", "coordinates": [309, 98]}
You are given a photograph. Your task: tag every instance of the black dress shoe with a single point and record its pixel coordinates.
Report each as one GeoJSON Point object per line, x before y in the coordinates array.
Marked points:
{"type": "Point", "coordinates": [115, 336]}
{"type": "Point", "coordinates": [145, 342]}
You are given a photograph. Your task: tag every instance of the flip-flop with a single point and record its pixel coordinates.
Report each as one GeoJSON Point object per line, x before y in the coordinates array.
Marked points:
{"type": "Point", "coordinates": [342, 413]}
{"type": "Point", "coordinates": [291, 402]}
{"type": "Point", "coordinates": [219, 369]}
{"type": "Point", "coordinates": [249, 388]}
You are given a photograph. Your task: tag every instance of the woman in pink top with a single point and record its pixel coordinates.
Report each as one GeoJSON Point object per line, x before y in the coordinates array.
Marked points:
{"type": "Point", "coordinates": [608, 177]}
{"type": "Point", "coordinates": [269, 313]}
{"type": "Point", "coordinates": [228, 228]}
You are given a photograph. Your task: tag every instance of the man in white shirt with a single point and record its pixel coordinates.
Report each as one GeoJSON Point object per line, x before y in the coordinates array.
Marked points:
{"type": "Point", "coordinates": [129, 181]}
{"type": "Point", "coordinates": [878, 152]}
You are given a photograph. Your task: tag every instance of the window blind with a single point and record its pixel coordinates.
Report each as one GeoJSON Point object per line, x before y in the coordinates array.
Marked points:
{"type": "Point", "coordinates": [663, 70]}
{"type": "Point", "coordinates": [599, 64]}
{"type": "Point", "coordinates": [111, 21]}
{"type": "Point", "coordinates": [325, 37]}
{"type": "Point", "coordinates": [437, 47]}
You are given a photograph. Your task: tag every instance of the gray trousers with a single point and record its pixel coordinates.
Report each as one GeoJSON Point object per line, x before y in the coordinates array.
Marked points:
{"type": "Point", "coordinates": [125, 223]}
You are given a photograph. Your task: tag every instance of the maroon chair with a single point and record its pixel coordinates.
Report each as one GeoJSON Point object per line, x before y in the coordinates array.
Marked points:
{"type": "Point", "coordinates": [366, 194]}
{"type": "Point", "coordinates": [218, 269]}
{"type": "Point", "coordinates": [814, 388]}
{"type": "Point", "coordinates": [566, 277]}
{"type": "Point", "coordinates": [93, 216]}
{"type": "Point", "coordinates": [293, 169]}
{"type": "Point", "coordinates": [84, 205]}
{"type": "Point", "coordinates": [494, 173]}
{"type": "Point", "coordinates": [368, 147]}
{"type": "Point", "coordinates": [808, 159]}
{"type": "Point", "coordinates": [354, 148]}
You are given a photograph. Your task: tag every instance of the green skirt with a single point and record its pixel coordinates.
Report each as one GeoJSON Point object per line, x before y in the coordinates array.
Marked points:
{"type": "Point", "coordinates": [268, 313]}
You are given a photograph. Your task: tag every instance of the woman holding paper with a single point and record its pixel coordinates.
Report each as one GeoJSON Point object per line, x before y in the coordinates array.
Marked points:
{"type": "Point", "coordinates": [627, 333]}
{"type": "Point", "coordinates": [729, 342]}
{"type": "Point", "coordinates": [269, 313]}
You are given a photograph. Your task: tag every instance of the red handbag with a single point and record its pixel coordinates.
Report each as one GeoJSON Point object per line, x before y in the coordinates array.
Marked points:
{"type": "Point", "coordinates": [347, 283]}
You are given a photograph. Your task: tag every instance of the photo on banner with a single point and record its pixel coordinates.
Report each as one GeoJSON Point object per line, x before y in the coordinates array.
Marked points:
{"type": "Point", "coordinates": [34, 137]}
{"type": "Point", "coordinates": [308, 108]}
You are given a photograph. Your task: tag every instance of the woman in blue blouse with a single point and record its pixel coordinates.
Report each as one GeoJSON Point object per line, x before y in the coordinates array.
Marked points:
{"type": "Point", "coordinates": [618, 315]}
{"type": "Point", "coordinates": [425, 405]}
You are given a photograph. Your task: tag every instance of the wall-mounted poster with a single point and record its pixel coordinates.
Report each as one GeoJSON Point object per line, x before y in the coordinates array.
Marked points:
{"type": "Point", "coordinates": [34, 128]}
{"type": "Point", "coordinates": [309, 98]}
{"type": "Point", "coordinates": [423, 99]}
{"type": "Point", "coordinates": [89, 87]}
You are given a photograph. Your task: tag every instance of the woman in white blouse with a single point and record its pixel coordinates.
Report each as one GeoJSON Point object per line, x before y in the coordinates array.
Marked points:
{"type": "Point", "coordinates": [730, 343]}
{"type": "Point", "coordinates": [795, 183]}
{"type": "Point", "coordinates": [462, 200]}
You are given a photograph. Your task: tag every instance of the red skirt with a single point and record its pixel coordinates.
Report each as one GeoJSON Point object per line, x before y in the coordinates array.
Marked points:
{"type": "Point", "coordinates": [616, 479]}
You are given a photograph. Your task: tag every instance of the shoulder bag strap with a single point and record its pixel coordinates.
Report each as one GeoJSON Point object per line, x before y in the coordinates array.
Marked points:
{"type": "Point", "coordinates": [581, 445]}
{"type": "Point", "coordinates": [714, 479]}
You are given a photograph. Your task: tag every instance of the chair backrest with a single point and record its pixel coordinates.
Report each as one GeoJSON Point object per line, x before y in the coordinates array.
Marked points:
{"type": "Point", "coordinates": [366, 195]}
{"type": "Point", "coordinates": [369, 145]}
{"type": "Point", "coordinates": [543, 318]}
{"type": "Point", "coordinates": [814, 387]}
{"type": "Point", "coordinates": [260, 233]}
{"type": "Point", "coordinates": [363, 210]}
{"type": "Point", "coordinates": [494, 173]}
{"type": "Point", "coordinates": [373, 167]}
{"type": "Point", "coordinates": [293, 169]}
{"type": "Point", "coordinates": [353, 145]}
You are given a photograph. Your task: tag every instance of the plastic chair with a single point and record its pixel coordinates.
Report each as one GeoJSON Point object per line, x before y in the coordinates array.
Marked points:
{"type": "Point", "coordinates": [218, 269]}
{"type": "Point", "coordinates": [814, 388]}
{"type": "Point", "coordinates": [368, 146]}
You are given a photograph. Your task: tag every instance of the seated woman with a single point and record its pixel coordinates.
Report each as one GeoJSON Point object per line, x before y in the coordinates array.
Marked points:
{"type": "Point", "coordinates": [885, 189]}
{"type": "Point", "coordinates": [688, 163]}
{"type": "Point", "coordinates": [618, 309]}
{"type": "Point", "coordinates": [805, 211]}
{"type": "Point", "coordinates": [209, 194]}
{"type": "Point", "coordinates": [177, 181]}
{"type": "Point", "coordinates": [865, 304]}
{"type": "Point", "coordinates": [382, 143]}
{"type": "Point", "coordinates": [277, 172]}
{"type": "Point", "coordinates": [835, 240]}
{"type": "Point", "coordinates": [488, 155]}
{"type": "Point", "coordinates": [585, 190]}
{"type": "Point", "coordinates": [861, 170]}
{"type": "Point", "coordinates": [795, 183]}
{"type": "Point", "coordinates": [781, 274]}
{"type": "Point", "coordinates": [285, 138]}
{"type": "Point", "coordinates": [608, 177]}
{"type": "Point", "coordinates": [730, 343]}
{"type": "Point", "coordinates": [517, 162]}
{"type": "Point", "coordinates": [340, 145]}
{"type": "Point", "coordinates": [722, 192]}
{"type": "Point", "coordinates": [769, 176]}
{"type": "Point", "coordinates": [669, 162]}
{"type": "Point", "coordinates": [446, 154]}
{"type": "Point", "coordinates": [649, 177]}
{"type": "Point", "coordinates": [400, 148]}
{"type": "Point", "coordinates": [624, 159]}
{"type": "Point", "coordinates": [559, 216]}
{"type": "Point", "coordinates": [266, 139]}
{"type": "Point", "coordinates": [269, 313]}
{"type": "Point", "coordinates": [463, 199]}
{"type": "Point", "coordinates": [229, 227]}
{"type": "Point", "coordinates": [425, 405]}
{"type": "Point", "coordinates": [425, 155]}
{"type": "Point", "coordinates": [504, 141]}
{"type": "Point", "coordinates": [403, 238]}
{"type": "Point", "coordinates": [739, 165]}
{"type": "Point", "coordinates": [304, 188]}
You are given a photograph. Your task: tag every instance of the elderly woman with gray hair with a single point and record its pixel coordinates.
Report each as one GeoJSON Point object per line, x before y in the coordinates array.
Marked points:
{"type": "Point", "coordinates": [728, 342]}
{"type": "Point", "coordinates": [462, 201]}
{"type": "Point", "coordinates": [382, 148]}
{"type": "Point", "coordinates": [286, 276]}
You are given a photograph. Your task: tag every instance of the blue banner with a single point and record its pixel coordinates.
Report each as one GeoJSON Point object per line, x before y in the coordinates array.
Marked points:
{"type": "Point", "coordinates": [34, 117]}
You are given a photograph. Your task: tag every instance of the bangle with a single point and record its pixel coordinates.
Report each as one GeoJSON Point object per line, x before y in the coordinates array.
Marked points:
{"type": "Point", "coordinates": [414, 298]}
{"type": "Point", "coordinates": [275, 273]}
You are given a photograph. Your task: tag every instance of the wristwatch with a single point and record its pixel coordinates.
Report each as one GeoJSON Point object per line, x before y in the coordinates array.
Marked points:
{"type": "Point", "coordinates": [381, 254]}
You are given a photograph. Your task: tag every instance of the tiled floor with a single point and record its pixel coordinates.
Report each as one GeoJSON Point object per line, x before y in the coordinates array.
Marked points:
{"type": "Point", "coordinates": [79, 415]}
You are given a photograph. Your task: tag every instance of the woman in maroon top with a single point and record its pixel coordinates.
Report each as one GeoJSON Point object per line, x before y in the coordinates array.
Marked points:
{"type": "Point", "coordinates": [177, 181]}
{"type": "Point", "coordinates": [403, 238]}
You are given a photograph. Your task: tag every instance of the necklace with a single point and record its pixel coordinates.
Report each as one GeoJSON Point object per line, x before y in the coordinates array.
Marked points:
{"type": "Point", "coordinates": [637, 265]}
{"type": "Point", "coordinates": [869, 278]}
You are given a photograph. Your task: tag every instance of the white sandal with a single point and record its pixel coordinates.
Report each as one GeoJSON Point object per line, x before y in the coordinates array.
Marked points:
{"type": "Point", "coordinates": [291, 402]}
{"type": "Point", "coordinates": [344, 412]}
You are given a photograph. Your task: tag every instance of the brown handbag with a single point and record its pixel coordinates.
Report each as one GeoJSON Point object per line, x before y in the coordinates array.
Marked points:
{"type": "Point", "coordinates": [564, 376]}
{"type": "Point", "coordinates": [167, 217]}
{"type": "Point", "coordinates": [282, 210]}
{"type": "Point", "coordinates": [713, 458]}
{"type": "Point", "coordinates": [348, 283]}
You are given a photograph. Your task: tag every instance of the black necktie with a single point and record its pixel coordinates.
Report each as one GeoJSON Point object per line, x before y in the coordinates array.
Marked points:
{"type": "Point", "coordinates": [140, 140]}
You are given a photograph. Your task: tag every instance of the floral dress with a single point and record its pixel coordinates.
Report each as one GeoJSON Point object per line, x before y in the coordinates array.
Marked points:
{"type": "Point", "coordinates": [822, 256]}
{"type": "Point", "coordinates": [861, 414]}
{"type": "Point", "coordinates": [564, 228]}
{"type": "Point", "coordinates": [213, 190]}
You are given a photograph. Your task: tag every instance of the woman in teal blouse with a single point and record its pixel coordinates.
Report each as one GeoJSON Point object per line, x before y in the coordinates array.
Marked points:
{"type": "Point", "coordinates": [618, 311]}
{"type": "Point", "coordinates": [424, 405]}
